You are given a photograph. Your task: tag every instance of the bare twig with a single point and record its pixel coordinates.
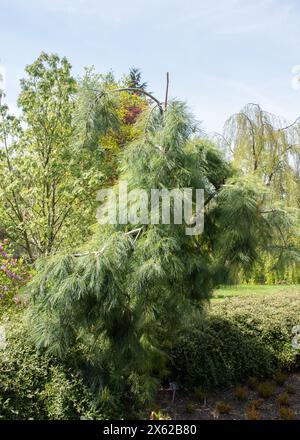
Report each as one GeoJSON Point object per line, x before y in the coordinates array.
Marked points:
{"type": "Point", "coordinates": [268, 211]}
{"type": "Point", "coordinates": [167, 92]}
{"type": "Point", "coordinates": [132, 89]}
{"type": "Point", "coordinates": [291, 125]}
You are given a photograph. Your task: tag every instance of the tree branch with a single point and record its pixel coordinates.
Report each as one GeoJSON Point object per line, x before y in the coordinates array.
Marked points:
{"type": "Point", "coordinates": [134, 232]}
{"type": "Point", "coordinates": [133, 89]}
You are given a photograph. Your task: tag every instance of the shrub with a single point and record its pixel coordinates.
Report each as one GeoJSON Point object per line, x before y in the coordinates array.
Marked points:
{"type": "Point", "coordinates": [14, 274]}
{"type": "Point", "coordinates": [257, 403]}
{"type": "Point", "coordinates": [280, 378]}
{"type": "Point", "coordinates": [252, 413]}
{"type": "Point", "coordinates": [34, 385]}
{"type": "Point", "coordinates": [223, 407]}
{"type": "Point", "coordinates": [189, 408]}
{"type": "Point", "coordinates": [252, 382]}
{"type": "Point", "coordinates": [283, 399]}
{"type": "Point", "coordinates": [268, 321]}
{"type": "Point", "coordinates": [218, 354]}
{"type": "Point", "coordinates": [200, 393]}
{"type": "Point", "coordinates": [290, 389]}
{"type": "Point", "coordinates": [241, 393]}
{"type": "Point", "coordinates": [286, 413]}
{"type": "Point", "coordinates": [159, 416]}
{"type": "Point", "coordinates": [265, 389]}
{"type": "Point", "coordinates": [240, 338]}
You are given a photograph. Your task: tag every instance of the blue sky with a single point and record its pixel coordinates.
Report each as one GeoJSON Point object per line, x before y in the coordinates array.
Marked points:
{"type": "Point", "coordinates": [220, 54]}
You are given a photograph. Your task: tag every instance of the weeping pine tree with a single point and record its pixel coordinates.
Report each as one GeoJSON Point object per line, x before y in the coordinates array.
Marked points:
{"type": "Point", "coordinates": [113, 307]}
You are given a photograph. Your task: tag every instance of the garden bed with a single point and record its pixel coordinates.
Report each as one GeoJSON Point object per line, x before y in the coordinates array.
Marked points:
{"type": "Point", "coordinates": [189, 407]}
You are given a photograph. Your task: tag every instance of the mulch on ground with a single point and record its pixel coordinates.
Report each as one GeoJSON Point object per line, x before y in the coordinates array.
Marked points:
{"type": "Point", "coordinates": [187, 407]}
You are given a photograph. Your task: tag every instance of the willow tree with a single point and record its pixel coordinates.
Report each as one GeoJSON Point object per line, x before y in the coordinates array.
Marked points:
{"type": "Point", "coordinates": [114, 305]}
{"type": "Point", "coordinates": [265, 146]}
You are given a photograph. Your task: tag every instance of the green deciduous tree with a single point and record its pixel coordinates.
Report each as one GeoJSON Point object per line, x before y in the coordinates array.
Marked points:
{"type": "Point", "coordinates": [108, 123]}
{"type": "Point", "coordinates": [47, 186]}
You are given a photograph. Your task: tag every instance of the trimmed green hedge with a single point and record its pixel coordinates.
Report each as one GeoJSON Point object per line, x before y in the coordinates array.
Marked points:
{"type": "Point", "coordinates": [241, 337]}
{"type": "Point", "coordinates": [36, 386]}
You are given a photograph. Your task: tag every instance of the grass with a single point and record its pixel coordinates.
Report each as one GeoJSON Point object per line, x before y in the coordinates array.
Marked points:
{"type": "Point", "coordinates": [257, 290]}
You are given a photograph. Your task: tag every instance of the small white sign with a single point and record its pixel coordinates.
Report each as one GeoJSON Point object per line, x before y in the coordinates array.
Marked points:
{"type": "Point", "coordinates": [2, 337]}
{"type": "Point", "coordinates": [296, 337]}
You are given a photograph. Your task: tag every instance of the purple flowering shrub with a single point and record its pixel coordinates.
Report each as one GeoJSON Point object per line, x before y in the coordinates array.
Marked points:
{"type": "Point", "coordinates": [14, 274]}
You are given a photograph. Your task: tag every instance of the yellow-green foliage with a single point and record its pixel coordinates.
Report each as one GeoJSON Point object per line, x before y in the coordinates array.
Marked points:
{"type": "Point", "coordinates": [262, 148]}
{"type": "Point", "coordinates": [265, 272]}
{"type": "Point", "coordinates": [286, 413]}
{"type": "Point", "coordinates": [159, 415]}
{"type": "Point", "coordinates": [283, 399]}
{"type": "Point", "coordinates": [130, 107]}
